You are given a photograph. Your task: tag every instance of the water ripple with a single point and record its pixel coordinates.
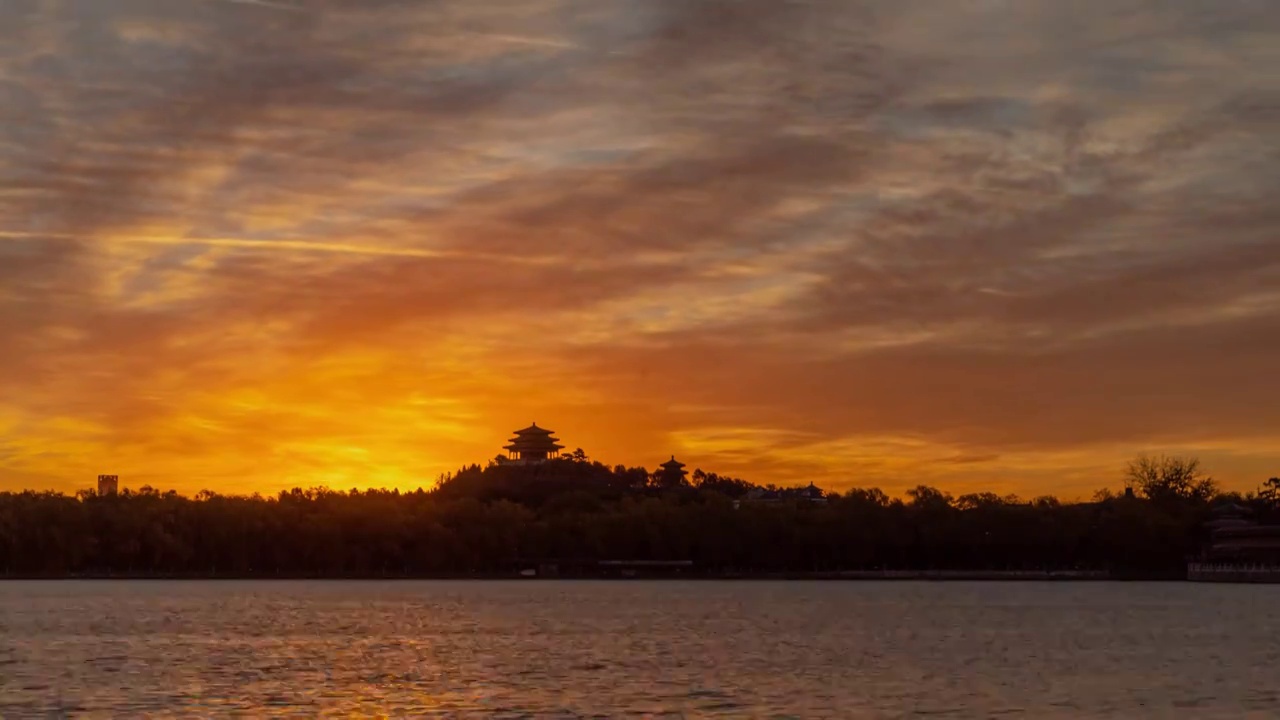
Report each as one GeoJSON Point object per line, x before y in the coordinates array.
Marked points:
{"type": "Point", "coordinates": [595, 650]}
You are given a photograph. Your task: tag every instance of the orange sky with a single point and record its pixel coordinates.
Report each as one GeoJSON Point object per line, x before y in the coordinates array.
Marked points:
{"type": "Point", "coordinates": [984, 245]}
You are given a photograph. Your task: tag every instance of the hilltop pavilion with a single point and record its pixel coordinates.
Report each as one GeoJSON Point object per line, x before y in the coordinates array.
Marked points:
{"type": "Point", "coordinates": [673, 466]}
{"type": "Point", "coordinates": [533, 445]}
{"type": "Point", "coordinates": [672, 472]}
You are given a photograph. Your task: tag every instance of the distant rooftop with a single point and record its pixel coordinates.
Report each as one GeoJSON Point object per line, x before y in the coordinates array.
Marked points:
{"type": "Point", "coordinates": [534, 430]}
{"type": "Point", "coordinates": [534, 444]}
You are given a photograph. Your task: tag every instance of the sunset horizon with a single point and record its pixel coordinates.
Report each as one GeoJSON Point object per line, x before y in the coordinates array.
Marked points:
{"type": "Point", "coordinates": [251, 246]}
{"type": "Point", "coordinates": [639, 358]}
{"type": "Point", "coordinates": [1112, 479]}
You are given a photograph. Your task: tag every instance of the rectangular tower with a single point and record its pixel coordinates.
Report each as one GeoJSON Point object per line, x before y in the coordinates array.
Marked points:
{"type": "Point", "coordinates": [108, 484]}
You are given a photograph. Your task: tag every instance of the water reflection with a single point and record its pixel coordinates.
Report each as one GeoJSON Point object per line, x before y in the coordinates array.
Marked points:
{"type": "Point", "coordinates": [566, 649]}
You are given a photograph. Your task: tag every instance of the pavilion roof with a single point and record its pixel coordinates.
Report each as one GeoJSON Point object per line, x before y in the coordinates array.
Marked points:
{"type": "Point", "coordinates": [534, 439]}
{"type": "Point", "coordinates": [534, 443]}
{"type": "Point", "coordinates": [534, 430]}
{"type": "Point", "coordinates": [672, 464]}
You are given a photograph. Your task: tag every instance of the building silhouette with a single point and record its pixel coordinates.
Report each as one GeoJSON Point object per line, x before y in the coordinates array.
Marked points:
{"type": "Point", "coordinates": [108, 484]}
{"type": "Point", "coordinates": [671, 473]}
{"type": "Point", "coordinates": [533, 445]}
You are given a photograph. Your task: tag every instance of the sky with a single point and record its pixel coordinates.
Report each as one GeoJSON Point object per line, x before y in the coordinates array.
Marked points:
{"type": "Point", "coordinates": [1001, 245]}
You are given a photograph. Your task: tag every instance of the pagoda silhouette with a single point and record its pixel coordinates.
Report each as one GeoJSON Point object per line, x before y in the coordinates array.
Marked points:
{"type": "Point", "coordinates": [533, 445]}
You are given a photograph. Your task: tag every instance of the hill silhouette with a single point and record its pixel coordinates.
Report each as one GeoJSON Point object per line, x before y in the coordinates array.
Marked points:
{"type": "Point", "coordinates": [496, 520]}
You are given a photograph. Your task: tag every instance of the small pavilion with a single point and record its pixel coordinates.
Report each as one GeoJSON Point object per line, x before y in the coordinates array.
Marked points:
{"type": "Point", "coordinates": [671, 472]}
{"type": "Point", "coordinates": [533, 445]}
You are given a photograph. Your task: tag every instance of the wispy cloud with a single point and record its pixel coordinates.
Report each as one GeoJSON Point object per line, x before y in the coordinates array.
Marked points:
{"type": "Point", "coordinates": [263, 4]}
{"type": "Point", "coordinates": [522, 40]}
{"type": "Point", "coordinates": [880, 242]}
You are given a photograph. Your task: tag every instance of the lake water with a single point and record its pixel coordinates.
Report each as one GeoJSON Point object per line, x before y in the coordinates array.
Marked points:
{"type": "Point", "coordinates": [645, 649]}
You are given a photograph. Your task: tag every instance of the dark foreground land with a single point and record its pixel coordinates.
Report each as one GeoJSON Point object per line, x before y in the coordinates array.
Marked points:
{"type": "Point", "coordinates": [571, 518]}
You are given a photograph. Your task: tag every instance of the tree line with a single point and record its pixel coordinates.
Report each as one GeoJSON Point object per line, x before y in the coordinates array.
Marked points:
{"type": "Point", "coordinates": [486, 521]}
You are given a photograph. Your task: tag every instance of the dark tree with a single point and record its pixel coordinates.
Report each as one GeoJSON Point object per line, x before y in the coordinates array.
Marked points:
{"type": "Point", "coordinates": [1170, 479]}
{"type": "Point", "coordinates": [489, 520]}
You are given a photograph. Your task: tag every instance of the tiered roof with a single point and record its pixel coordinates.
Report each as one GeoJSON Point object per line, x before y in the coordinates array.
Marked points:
{"type": "Point", "coordinates": [672, 465]}
{"type": "Point", "coordinates": [671, 472]}
{"type": "Point", "coordinates": [534, 440]}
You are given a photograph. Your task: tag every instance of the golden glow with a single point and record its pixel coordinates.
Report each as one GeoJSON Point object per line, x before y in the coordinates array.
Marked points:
{"type": "Point", "coordinates": [356, 244]}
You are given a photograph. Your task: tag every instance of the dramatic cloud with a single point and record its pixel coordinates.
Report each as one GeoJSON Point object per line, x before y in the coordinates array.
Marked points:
{"type": "Point", "coordinates": [248, 244]}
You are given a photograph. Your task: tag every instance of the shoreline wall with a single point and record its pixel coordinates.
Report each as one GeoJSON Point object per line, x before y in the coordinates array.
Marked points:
{"type": "Point", "coordinates": [1233, 573]}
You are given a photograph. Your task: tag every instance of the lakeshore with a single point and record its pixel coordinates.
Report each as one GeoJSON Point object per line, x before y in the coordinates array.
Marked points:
{"type": "Point", "coordinates": [537, 514]}
{"type": "Point", "coordinates": [692, 575]}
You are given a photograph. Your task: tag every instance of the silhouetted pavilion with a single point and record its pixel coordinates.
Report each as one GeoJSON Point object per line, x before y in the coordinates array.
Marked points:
{"type": "Point", "coordinates": [533, 444]}
{"type": "Point", "coordinates": [671, 472]}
